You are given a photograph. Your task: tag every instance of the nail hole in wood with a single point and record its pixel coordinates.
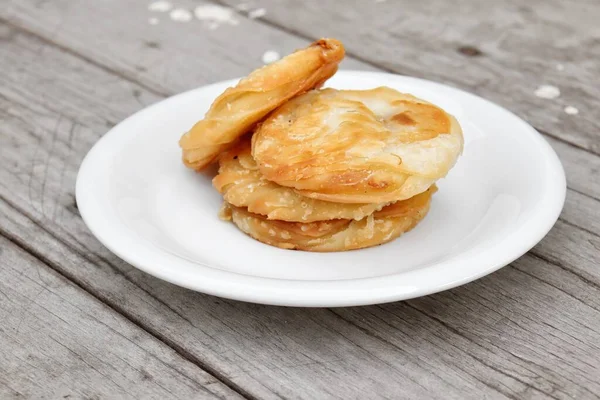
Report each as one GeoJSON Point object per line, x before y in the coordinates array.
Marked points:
{"type": "Point", "coordinates": [152, 45]}
{"type": "Point", "coordinates": [470, 51]}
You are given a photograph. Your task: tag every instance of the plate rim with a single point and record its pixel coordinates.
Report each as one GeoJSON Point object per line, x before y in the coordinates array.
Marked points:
{"type": "Point", "coordinates": [331, 293]}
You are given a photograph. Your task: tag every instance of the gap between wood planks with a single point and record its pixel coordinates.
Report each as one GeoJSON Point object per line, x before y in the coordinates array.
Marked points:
{"type": "Point", "coordinates": [263, 21]}
{"type": "Point", "coordinates": [77, 282]}
{"type": "Point", "coordinates": [385, 340]}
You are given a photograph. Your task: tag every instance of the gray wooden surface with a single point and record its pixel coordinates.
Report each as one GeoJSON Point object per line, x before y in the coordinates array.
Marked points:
{"type": "Point", "coordinates": [78, 322]}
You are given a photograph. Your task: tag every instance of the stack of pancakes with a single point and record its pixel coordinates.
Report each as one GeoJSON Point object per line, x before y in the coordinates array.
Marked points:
{"type": "Point", "coordinates": [322, 169]}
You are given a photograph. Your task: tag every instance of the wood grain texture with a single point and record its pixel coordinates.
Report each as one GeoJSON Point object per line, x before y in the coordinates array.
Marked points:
{"type": "Point", "coordinates": [166, 58]}
{"type": "Point", "coordinates": [57, 341]}
{"type": "Point", "coordinates": [502, 51]}
{"type": "Point", "coordinates": [528, 331]}
{"type": "Point", "coordinates": [506, 336]}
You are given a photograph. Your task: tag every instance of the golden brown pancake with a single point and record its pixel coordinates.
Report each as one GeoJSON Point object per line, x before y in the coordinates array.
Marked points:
{"type": "Point", "coordinates": [335, 235]}
{"type": "Point", "coordinates": [357, 146]}
{"type": "Point", "coordinates": [239, 108]}
{"type": "Point", "coordinates": [242, 185]}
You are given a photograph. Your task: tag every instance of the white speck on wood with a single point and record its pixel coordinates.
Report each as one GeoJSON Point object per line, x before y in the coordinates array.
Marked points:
{"type": "Point", "coordinates": [571, 110]}
{"type": "Point", "coordinates": [547, 92]}
{"type": "Point", "coordinates": [270, 56]}
{"type": "Point", "coordinates": [215, 14]}
{"type": "Point", "coordinates": [258, 13]}
{"type": "Point", "coordinates": [153, 21]}
{"type": "Point", "coordinates": [181, 15]}
{"type": "Point", "coordinates": [560, 67]}
{"type": "Point", "coordinates": [160, 6]}
{"type": "Point", "coordinates": [242, 7]}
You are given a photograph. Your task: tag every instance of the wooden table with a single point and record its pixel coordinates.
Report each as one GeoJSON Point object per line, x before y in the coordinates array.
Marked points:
{"type": "Point", "coordinates": [77, 322]}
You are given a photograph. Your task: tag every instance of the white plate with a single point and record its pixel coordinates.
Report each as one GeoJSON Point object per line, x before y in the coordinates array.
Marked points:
{"type": "Point", "coordinates": [501, 198]}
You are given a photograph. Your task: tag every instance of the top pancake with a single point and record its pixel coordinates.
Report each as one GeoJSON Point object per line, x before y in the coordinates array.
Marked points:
{"type": "Point", "coordinates": [357, 146]}
{"type": "Point", "coordinates": [239, 108]}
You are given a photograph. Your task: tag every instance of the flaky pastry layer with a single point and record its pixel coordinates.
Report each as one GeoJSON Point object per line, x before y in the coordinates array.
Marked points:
{"type": "Point", "coordinates": [239, 108]}
{"type": "Point", "coordinates": [335, 235]}
{"type": "Point", "coordinates": [357, 146]}
{"type": "Point", "coordinates": [242, 185]}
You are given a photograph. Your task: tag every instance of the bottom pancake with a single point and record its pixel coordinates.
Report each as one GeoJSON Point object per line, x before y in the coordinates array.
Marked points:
{"type": "Point", "coordinates": [334, 235]}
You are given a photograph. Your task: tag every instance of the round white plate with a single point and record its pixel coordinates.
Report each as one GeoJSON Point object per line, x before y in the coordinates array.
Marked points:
{"type": "Point", "coordinates": [501, 198]}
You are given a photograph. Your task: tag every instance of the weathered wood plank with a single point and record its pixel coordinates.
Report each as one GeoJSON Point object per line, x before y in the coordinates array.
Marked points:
{"type": "Point", "coordinates": [247, 343]}
{"type": "Point", "coordinates": [579, 209]}
{"type": "Point", "coordinates": [502, 51]}
{"type": "Point", "coordinates": [491, 319]}
{"type": "Point", "coordinates": [268, 359]}
{"type": "Point", "coordinates": [574, 249]}
{"type": "Point", "coordinates": [166, 58]}
{"type": "Point", "coordinates": [57, 341]}
{"type": "Point", "coordinates": [403, 37]}
{"type": "Point", "coordinates": [272, 351]}
{"type": "Point", "coordinates": [580, 168]}
{"type": "Point", "coordinates": [554, 355]}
